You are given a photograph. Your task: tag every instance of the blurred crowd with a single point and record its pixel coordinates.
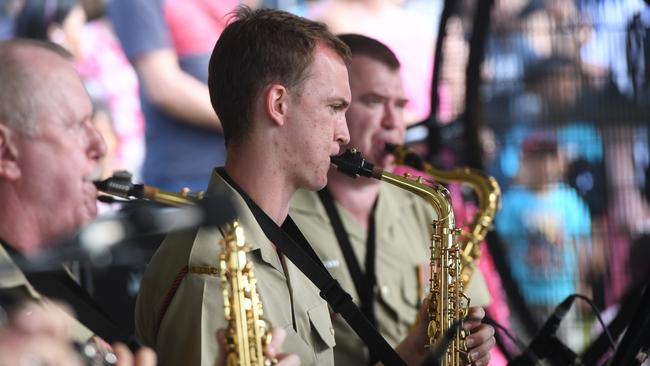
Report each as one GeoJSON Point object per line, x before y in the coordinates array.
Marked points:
{"type": "Point", "coordinates": [565, 94]}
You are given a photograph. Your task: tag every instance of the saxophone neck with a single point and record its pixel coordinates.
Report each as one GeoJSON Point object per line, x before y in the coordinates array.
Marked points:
{"type": "Point", "coordinates": [120, 184]}
{"type": "Point", "coordinates": [486, 187]}
{"type": "Point", "coordinates": [352, 163]}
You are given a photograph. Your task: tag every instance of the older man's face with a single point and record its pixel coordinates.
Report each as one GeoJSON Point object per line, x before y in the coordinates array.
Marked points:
{"type": "Point", "coordinates": [59, 162]}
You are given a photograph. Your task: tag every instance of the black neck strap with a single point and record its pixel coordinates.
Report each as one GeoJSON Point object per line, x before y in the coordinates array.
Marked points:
{"type": "Point", "coordinates": [292, 243]}
{"type": "Point", "coordinates": [363, 283]}
{"type": "Point", "coordinates": [59, 285]}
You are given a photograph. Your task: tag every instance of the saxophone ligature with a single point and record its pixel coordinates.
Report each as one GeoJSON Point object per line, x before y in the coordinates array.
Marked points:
{"type": "Point", "coordinates": [487, 191]}
{"type": "Point", "coordinates": [247, 334]}
{"type": "Point", "coordinates": [448, 305]}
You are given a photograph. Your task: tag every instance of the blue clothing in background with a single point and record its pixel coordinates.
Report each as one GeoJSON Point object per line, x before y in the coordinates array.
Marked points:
{"type": "Point", "coordinates": [177, 154]}
{"type": "Point", "coordinates": [541, 232]}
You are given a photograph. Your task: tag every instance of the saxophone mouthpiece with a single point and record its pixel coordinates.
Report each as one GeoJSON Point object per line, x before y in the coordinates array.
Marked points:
{"type": "Point", "coordinates": [352, 163]}
{"type": "Point", "coordinates": [404, 156]}
{"type": "Point", "coordinates": [120, 185]}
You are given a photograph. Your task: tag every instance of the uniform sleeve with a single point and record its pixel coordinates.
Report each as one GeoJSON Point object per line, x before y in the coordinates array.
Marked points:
{"type": "Point", "coordinates": [187, 333]}
{"type": "Point", "coordinates": [140, 26]}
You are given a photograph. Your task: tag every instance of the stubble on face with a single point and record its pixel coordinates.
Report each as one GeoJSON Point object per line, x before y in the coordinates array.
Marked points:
{"type": "Point", "coordinates": [376, 114]}
{"type": "Point", "coordinates": [319, 119]}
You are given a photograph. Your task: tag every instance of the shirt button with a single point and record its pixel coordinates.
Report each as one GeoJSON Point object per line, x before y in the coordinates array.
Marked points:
{"type": "Point", "coordinates": [384, 290]}
{"type": "Point", "coordinates": [332, 330]}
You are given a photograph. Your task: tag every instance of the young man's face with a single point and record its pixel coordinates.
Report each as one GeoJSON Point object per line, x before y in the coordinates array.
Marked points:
{"type": "Point", "coordinates": [376, 115]}
{"type": "Point", "coordinates": [317, 118]}
{"type": "Point", "coordinates": [59, 163]}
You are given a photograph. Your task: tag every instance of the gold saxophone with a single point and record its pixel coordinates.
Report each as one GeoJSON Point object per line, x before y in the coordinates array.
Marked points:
{"type": "Point", "coordinates": [489, 195]}
{"type": "Point", "coordinates": [248, 333]}
{"type": "Point", "coordinates": [448, 305]}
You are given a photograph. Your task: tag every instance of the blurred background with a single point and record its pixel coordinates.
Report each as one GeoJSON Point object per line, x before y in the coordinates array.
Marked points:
{"type": "Point", "coordinates": [551, 97]}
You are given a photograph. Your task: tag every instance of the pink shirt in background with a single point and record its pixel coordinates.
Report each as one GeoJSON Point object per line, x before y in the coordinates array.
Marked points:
{"type": "Point", "coordinates": [111, 81]}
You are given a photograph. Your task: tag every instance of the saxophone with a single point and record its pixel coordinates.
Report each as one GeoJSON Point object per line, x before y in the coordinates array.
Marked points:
{"type": "Point", "coordinates": [248, 333]}
{"type": "Point", "coordinates": [448, 305]}
{"type": "Point", "coordinates": [489, 195]}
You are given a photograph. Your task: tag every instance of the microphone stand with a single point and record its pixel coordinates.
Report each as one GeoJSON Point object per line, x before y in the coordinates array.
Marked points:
{"type": "Point", "coordinates": [637, 336]}
{"type": "Point", "coordinates": [546, 345]}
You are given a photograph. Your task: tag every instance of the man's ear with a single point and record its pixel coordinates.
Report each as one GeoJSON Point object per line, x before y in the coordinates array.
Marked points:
{"type": "Point", "coordinates": [9, 169]}
{"type": "Point", "coordinates": [276, 103]}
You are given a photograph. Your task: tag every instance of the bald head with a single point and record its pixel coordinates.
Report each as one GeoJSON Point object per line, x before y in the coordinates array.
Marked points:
{"type": "Point", "coordinates": [31, 77]}
{"type": "Point", "coordinates": [46, 136]}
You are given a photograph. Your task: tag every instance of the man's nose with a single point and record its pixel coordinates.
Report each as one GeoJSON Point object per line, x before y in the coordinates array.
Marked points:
{"type": "Point", "coordinates": [342, 134]}
{"type": "Point", "coordinates": [391, 116]}
{"type": "Point", "coordinates": [96, 145]}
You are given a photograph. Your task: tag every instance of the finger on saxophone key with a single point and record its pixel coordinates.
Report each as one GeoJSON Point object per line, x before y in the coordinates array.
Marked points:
{"type": "Point", "coordinates": [273, 350]}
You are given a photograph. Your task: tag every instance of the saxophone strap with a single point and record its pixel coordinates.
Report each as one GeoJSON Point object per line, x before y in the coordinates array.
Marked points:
{"type": "Point", "coordinates": [363, 283]}
{"type": "Point", "coordinates": [292, 243]}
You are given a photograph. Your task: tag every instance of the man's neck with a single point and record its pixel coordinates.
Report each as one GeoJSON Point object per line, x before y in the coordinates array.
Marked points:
{"type": "Point", "coordinates": [357, 196]}
{"type": "Point", "coordinates": [264, 182]}
{"type": "Point", "coordinates": [18, 228]}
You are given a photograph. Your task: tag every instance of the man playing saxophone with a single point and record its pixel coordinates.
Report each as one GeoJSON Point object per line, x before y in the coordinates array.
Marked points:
{"type": "Point", "coordinates": [49, 155]}
{"type": "Point", "coordinates": [387, 229]}
{"type": "Point", "coordinates": [279, 85]}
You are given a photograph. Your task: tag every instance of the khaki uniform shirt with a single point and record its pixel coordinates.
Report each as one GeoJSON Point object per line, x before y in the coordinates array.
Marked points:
{"type": "Point", "coordinates": [185, 334]}
{"type": "Point", "coordinates": [14, 281]}
{"type": "Point", "coordinates": [402, 222]}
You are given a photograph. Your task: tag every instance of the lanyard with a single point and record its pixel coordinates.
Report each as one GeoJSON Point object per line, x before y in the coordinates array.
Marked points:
{"type": "Point", "coordinates": [363, 283]}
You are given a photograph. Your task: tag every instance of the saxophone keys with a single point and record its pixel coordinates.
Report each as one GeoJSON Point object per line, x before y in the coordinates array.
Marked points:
{"type": "Point", "coordinates": [433, 330]}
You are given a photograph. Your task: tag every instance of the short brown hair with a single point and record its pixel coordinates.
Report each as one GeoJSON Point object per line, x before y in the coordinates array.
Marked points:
{"type": "Point", "coordinates": [365, 46]}
{"type": "Point", "coordinates": [258, 48]}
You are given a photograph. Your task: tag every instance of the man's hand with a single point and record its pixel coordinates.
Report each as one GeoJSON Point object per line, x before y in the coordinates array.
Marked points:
{"type": "Point", "coordinates": [37, 334]}
{"type": "Point", "coordinates": [272, 351]}
{"type": "Point", "coordinates": [412, 349]}
{"type": "Point", "coordinates": [481, 337]}
{"type": "Point", "coordinates": [144, 357]}
{"type": "Point", "coordinates": [479, 341]}
{"type": "Point", "coordinates": [40, 333]}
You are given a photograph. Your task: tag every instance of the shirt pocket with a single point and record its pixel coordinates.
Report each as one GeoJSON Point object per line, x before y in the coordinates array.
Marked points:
{"type": "Point", "coordinates": [410, 291]}
{"type": "Point", "coordinates": [322, 330]}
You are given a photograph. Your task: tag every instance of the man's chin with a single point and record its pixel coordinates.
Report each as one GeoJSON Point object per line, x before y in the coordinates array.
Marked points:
{"type": "Point", "coordinates": [316, 184]}
{"type": "Point", "coordinates": [90, 213]}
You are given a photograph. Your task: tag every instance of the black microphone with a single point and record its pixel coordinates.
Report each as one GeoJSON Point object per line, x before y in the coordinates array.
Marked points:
{"type": "Point", "coordinates": [553, 321]}
{"type": "Point", "coordinates": [545, 345]}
